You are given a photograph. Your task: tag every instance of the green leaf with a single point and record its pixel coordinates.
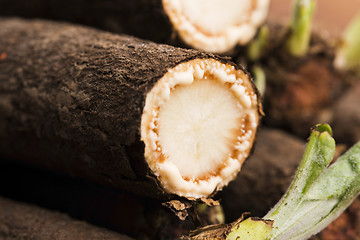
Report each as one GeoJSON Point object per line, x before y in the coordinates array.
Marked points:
{"type": "Point", "coordinates": [318, 155]}
{"type": "Point", "coordinates": [329, 196]}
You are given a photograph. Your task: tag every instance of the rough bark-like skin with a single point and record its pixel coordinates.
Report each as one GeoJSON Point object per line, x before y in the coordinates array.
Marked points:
{"type": "Point", "coordinates": [142, 18]}
{"type": "Point", "coordinates": [120, 211]}
{"type": "Point", "coordinates": [19, 221]}
{"type": "Point", "coordinates": [265, 176]}
{"type": "Point", "coordinates": [98, 205]}
{"type": "Point", "coordinates": [71, 99]}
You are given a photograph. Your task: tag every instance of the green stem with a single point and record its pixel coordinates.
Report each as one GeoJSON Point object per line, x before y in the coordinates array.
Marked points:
{"type": "Point", "coordinates": [328, 197]}
{"type": "Point", "coordinates": [318, 155]}
{"type": "Point", "coordinates": [348, 54]}
{"type": "Point", "coordinates": [259, 78]}
{"type": "Point", "coordinates": [316, 197]}
{"type": "Point", "coordinates": [250, 229]}
{"type": "Point", "coordinates": [318, 194]}
{"type": "Point", "coordinates": [298, 40]}
{"type": "Point", "coordinates": [257, 47]}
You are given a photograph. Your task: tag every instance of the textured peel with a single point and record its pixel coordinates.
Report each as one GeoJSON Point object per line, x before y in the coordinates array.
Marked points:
{"type": "Point", "coordinates": [214, 25]}
{"type": "Point", "coordinates": [198, 126]}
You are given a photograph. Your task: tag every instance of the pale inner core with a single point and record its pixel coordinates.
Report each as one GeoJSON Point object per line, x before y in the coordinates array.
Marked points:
{"type": "Point", "coordinates": [198, 126]}
{"type": "Point", "coordinates": [213, 16]}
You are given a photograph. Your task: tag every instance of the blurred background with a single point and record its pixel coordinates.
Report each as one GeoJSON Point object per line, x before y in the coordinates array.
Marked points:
{"type": "Point", "coordinates": [333, 15]}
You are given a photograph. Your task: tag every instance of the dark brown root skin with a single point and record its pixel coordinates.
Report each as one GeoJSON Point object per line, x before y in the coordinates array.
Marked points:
{"type": "Point", "coordinates": [93, 203]}
{"type": "Point", "coordinates": [71, 100]}
{"type": "Point", "coordinates": [122, 212]}
{"type": "Point", "coordinates": [20, 221]}
{"type": "Point", "coordinates": [145, 19]}
{"type": "Point", "coordinates": [209, 232]}
{"type": "Point", "coordinates": [300, 92]}
{"type": "Point", "coordinates": [265, 176]}
{"type": "Point", "coordinates": [141, 18]}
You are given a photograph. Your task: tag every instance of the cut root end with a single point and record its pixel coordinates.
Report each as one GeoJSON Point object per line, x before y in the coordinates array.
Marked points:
{"type": "Point", "coordinates": [216, 26]}
{"type": "Point", "coordinates": [198, 126]}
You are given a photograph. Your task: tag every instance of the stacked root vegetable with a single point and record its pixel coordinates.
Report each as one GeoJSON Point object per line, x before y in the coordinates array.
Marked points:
{"type": "Point", "coordinates": [104, 135]}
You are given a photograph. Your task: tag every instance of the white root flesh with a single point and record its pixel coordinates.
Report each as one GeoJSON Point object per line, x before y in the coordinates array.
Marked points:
{"type": "Point", "coordinates": [198, 126]}
{"type": "Point", "coordinates": [216, 25]}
